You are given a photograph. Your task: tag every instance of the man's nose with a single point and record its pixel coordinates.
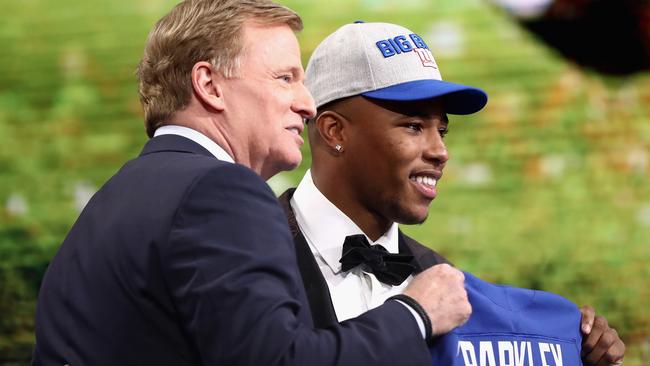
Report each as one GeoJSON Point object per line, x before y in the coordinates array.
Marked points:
{"type": "Point", "coordinates": [436, 150]}
{"type": "Point", "coordinates": [304, 103]}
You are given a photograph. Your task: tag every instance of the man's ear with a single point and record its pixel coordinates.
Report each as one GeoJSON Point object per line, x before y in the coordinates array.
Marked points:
{"type": "Point", "coordinates": [206, 86]}
{"type": "Point", "coordinates": [331, 128]}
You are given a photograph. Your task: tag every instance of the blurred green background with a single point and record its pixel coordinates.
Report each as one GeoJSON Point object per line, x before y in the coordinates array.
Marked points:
{"type": "Point", "coordinates": [547, 187]}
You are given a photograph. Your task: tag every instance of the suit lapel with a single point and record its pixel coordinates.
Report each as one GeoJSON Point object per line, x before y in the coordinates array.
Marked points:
{"type": "Point", "coordinates": [423, 257]}
{"type": "Point", "coordinates": [318, 294]}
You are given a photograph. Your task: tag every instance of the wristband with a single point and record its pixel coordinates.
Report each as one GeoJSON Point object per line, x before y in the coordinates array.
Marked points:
{"type": "Point", "coordinates": [418, 309]}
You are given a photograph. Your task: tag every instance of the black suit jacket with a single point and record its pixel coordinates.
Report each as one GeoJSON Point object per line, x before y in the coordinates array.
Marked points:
{"type": "Point", "coordinates": [181, 259]}
{"type": "Point", "coordinates": [318, 295]}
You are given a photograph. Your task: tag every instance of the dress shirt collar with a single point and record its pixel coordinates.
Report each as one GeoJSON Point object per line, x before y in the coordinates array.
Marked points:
{"type": "Point", "coordinates": [197, 137]}
{"type": "Point", "coordinates": [326, 227]}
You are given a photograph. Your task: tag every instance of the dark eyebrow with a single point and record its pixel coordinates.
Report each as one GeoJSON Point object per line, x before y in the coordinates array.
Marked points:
{"type": "Point", "coordinates": [444, 118]}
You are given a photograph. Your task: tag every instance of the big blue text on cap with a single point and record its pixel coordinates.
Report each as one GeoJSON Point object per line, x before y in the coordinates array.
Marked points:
{"type": "Point", "coordinates": [400, 44]}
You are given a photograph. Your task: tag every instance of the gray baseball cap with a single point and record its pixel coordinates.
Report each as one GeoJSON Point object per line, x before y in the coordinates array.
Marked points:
{"type": "Point", "coordinates": [387, 62]}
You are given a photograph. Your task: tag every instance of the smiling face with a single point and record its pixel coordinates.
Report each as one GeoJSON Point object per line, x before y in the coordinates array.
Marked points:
{"type": "Point", "coordinates": [266, 104]}
{"type": "Point", "coordinates": [394, 156]}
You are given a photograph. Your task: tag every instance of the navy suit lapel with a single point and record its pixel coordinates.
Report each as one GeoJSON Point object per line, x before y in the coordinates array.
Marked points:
{"type": "Point", "coordinates": [423, 257]}
{"type": "Point", "coordinates": [174, 143]}
{"type": "Point", "coordinates": [318, 294]}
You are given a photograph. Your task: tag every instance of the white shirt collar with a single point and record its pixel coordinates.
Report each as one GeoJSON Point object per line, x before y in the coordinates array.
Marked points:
{"type": "Point", "coordinates": [197, 137]}
{"type": "Point", "coordinates": [326, 227]}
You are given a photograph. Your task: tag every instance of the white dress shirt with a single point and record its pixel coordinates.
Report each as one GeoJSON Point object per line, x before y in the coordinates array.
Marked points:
{"type": "Point", "coordinates": [197, 137]}
{"type": "Point", "coordinates": [325, 228]}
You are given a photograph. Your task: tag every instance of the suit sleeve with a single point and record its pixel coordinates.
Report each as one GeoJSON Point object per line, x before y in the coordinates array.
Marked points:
{"type": "Point", "coordinates": [231, 269]}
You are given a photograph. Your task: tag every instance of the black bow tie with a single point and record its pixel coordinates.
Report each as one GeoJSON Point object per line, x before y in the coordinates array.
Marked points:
{"type": "Point", "coordinates": [389, 268]}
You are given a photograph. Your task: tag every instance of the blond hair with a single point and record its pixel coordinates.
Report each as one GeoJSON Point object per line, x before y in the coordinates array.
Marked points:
{"type": "Point", "coordinates": [193, 31]}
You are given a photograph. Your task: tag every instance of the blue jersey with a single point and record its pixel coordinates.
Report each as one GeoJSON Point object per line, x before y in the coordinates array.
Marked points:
{"type": "Point", "coordinates": [512, 326]}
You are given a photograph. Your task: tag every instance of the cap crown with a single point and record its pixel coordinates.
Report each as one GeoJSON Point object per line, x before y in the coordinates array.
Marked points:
{"type": "Point", "coordinates": [363, 57]}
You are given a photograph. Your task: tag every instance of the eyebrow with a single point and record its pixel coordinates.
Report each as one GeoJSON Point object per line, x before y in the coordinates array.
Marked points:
{"type": "Point", "coordinates": [444, 118]}
{"type": "Point", "coordinates": [294, 70]}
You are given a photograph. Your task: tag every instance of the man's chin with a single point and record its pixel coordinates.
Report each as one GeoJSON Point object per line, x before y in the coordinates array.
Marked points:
{"type": "Point", "coordinates": [413, 220]}
{"type": "Point", "coordinates": [281, 166]}
{"type": "Point", "coordinates": [292, 163]}
{"type": "Point", "coordinates": [407, 216]}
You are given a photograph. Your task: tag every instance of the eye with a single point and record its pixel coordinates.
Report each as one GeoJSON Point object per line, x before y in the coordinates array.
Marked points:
{"type": "Point", "coordinates": [443, 132]}
{"type": "Point", "coordinates": [414, 126]}
{"type": "Point", "coordinates": [287, 78]}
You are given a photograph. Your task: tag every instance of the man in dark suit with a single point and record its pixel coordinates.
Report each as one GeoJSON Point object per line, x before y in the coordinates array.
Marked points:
{"type": "Point", "coordinates": [377, 155]}
{"type": "Point", "coordinates": [184, 256]}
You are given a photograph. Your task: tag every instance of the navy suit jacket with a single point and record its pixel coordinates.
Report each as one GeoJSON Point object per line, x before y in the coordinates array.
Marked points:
{"type": "Point", "coordinates": [181, 259]}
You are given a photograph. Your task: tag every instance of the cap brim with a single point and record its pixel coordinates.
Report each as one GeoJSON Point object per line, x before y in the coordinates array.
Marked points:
{"type": "Point", "coordinates": [457, 99]}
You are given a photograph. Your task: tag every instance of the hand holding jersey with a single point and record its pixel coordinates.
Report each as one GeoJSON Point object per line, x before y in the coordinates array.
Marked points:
{"type": "Point", "coordinates": [446, 301]}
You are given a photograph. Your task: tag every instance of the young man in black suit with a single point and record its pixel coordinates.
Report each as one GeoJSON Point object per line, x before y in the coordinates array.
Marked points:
{"type": "Point", "coordinates": [377, 155]}
{"type": "Point", "coordinates": [184, 256]}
